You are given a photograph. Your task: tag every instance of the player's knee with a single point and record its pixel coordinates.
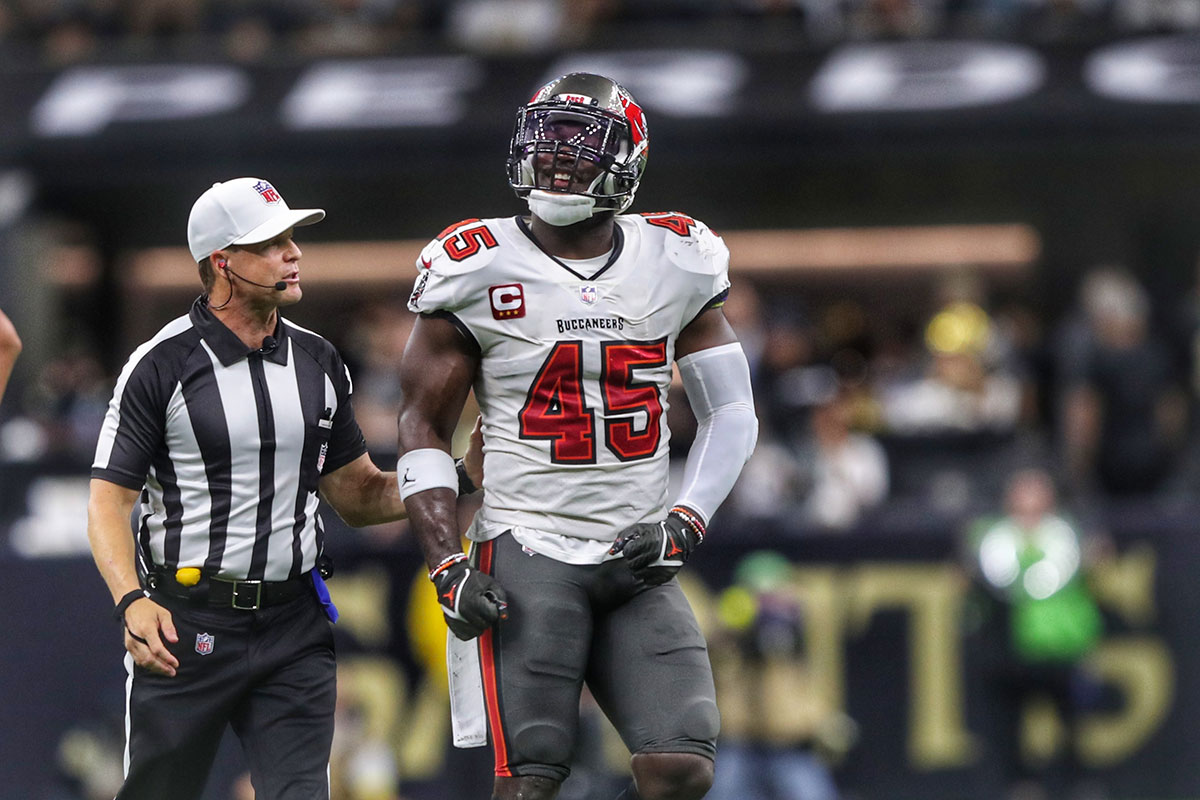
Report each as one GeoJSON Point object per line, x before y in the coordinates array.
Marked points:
{"type": "Point", "coordinates": [701, 721]}
{"type": "Point", "coordinates": [672, 776]}
{"type": "Point", "coordinates": [543, 744]}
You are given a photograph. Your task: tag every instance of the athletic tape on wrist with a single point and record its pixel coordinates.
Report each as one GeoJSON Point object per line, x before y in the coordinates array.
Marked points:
{"type": "Point", "coordinates": [427, 468]}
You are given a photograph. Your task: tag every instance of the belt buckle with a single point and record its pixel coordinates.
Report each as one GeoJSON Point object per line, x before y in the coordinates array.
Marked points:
{"type": "Point", "coordinates": [253, 604]}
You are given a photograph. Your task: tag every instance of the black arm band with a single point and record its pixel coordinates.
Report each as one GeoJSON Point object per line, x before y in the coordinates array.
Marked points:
{"type": "Point", "coordinates": [465, 484]}
{"type": "Point", "coordinates": [124, 602]}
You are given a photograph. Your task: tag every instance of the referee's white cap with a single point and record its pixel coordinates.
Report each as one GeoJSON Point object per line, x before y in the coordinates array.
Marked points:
{"type": "Point", "coordinates": [242, 211]}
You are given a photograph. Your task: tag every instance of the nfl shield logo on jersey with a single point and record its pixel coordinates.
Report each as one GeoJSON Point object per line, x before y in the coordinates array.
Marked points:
{"type": "Point", "coordinates": [588, 295]}
{"type": "Point", "coordinates": [204, 643]}
{"type": "Point", "coordinates": [267, 191]}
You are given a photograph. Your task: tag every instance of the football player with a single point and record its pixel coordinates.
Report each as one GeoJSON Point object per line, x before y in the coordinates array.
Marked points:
{"type": "Point", "coordinates": [566, 323]}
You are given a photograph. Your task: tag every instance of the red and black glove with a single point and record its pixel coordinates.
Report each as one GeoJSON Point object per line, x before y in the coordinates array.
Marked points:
{"type": "Point", "coordinates": [655, 551]}
{"type": "Point", "coordinates": [472, 601]}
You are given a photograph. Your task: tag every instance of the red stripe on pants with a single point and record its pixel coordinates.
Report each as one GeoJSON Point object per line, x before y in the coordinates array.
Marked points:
{"type": "Point", "coordinates": [491, 688]}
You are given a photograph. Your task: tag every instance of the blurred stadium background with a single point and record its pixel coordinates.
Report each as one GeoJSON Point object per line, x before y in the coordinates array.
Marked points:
{"type": "Point", "coordinates": [964, 238]}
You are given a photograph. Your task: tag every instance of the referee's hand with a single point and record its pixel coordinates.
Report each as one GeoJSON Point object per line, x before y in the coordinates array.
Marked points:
{"type": "Point", "coordinates": [147, 624]}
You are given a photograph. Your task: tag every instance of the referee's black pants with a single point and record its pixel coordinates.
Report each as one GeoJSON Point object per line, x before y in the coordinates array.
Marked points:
{"type": "Point", "coordinates": [270, 674]}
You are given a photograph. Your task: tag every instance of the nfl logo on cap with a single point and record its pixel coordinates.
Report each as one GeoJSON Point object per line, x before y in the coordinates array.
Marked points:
{"type": "Point", "coordinates": [204, 643]}
{"type": "Point", "coordinates": [267, 191]}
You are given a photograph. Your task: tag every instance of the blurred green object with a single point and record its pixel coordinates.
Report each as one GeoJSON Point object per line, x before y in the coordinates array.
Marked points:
{"type": "Point", "coordinates": [763, 571]}
{"type": "Point", "coordinates": [1060, 628]}
{"type": "Point", "coordinates": [758, 573]}
{"type": "Point", "coordinates": [737, 608]}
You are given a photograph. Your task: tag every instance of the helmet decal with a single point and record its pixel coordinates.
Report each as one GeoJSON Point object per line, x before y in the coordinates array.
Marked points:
{"type": "Point", "coordinates": [637, 121]}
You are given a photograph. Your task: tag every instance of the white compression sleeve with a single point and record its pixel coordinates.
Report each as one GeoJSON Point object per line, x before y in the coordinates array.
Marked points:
{"type": "Point", "coordinates": [717, 382]}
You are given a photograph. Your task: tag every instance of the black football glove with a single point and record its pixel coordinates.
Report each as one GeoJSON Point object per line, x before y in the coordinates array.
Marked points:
{"type": "Point", "coordinates": [655, 551]}
{"type": "Point", "coordinates": [472, 601]}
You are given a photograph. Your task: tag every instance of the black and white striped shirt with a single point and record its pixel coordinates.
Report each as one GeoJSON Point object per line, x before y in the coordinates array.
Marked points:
{"type": "Point", "coordinates": [227, 445]}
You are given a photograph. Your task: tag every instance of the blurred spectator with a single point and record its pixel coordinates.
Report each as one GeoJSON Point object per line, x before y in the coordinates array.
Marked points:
{"type": "Point", "coordinates": [1156, 15]}
{"type": "Point", "coordinates": [1123, 411]}
{"type": "Point", "coordinates": [847, 471]}
{"type": "Point", "coordinates": [819, 469]}
{"type": "Point", "coordinates": [961, 390]}
{"type": "Point", "coordinates": [10, 348]}
{"type": "Point", "coordinates": [777, 727]}
{"type": "Point", "coordinates": [160, 18]}
{"type": "Point", "coordinates": [782, 381]}
{"type": "Point", "coordinates": [896, 19]}
{"type": "Point", "coordinates": [68, 400]}
{"type": "Point", "coordinates": [525, 26]}
{"type": "Point", "coordinates": [362, 761]}
{"type": "Point", "coordinates": [375, 344]}
{"type": "Point", "coordinates": [1063, 20]}
{"type": "Point", "coordinates": [1031, 564]}
{"type": "Point", "coordinates": [353, 27]}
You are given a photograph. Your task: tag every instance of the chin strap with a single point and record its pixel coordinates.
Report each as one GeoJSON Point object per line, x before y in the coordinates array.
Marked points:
{"type": "Point", "coordinates": [559, 209]}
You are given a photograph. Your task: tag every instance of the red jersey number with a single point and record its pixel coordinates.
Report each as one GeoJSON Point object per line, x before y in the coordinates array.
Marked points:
{"type": "Point", "coordinates": [676, 223]}
{"type": "Point", "coordinates": [469, 242]}
{"type": "Point", "coordinates": [626, 396]}
{"type": "Point", "coordinates": [556, 408]}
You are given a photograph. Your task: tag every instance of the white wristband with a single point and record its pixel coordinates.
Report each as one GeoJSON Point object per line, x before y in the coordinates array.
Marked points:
{"type": "Point", "coordinates": [427, 468]}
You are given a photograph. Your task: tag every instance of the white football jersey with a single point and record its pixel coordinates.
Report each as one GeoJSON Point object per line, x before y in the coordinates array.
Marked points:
{"type": "Point", "coordinates": [575, 369]}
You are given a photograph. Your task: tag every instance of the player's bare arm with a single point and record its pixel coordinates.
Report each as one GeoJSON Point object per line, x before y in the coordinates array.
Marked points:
{"type": "Point", "coordinates": [710, 329]}
{"type": "Point", "coordinates": [436, 374]}
{"type": "Point", "coordinates": [435, 378]}
{"type": "Point", "coordinates": [147, 624]}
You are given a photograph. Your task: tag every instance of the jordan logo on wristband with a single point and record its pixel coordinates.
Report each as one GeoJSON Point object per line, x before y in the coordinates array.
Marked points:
{"type": "Point", "coordinates": [204, 643]}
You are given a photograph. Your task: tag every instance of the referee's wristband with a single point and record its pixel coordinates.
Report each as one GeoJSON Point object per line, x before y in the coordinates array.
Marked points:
{"type": "Point", "coordinates": [465, 484]}
{"type": "Point", "coordinates": [126, 601]}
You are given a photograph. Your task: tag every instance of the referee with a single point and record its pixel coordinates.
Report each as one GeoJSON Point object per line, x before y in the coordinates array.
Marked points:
{"type": "Point", "coordinates": [222, 430]}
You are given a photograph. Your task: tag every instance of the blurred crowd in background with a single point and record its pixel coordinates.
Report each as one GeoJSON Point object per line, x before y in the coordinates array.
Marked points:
{"type": "Point", "coordinates": [863, 410]}
{"type": "Point", "coordinates": [66, 31]}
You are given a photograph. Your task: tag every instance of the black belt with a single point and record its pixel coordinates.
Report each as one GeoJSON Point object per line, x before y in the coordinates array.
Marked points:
{"type": "Point", "coordinates": [223, 593]}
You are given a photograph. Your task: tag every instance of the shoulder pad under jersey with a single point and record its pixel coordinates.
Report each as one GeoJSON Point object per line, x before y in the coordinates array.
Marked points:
{"type": "Point", "coordinates": [689, 243]}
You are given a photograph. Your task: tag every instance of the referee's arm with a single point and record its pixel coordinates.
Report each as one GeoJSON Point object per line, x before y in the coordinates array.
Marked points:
{"type": "Point", "coordinates": [362, 494]}
{"type": "Point", "coordinates": [146, 623]}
